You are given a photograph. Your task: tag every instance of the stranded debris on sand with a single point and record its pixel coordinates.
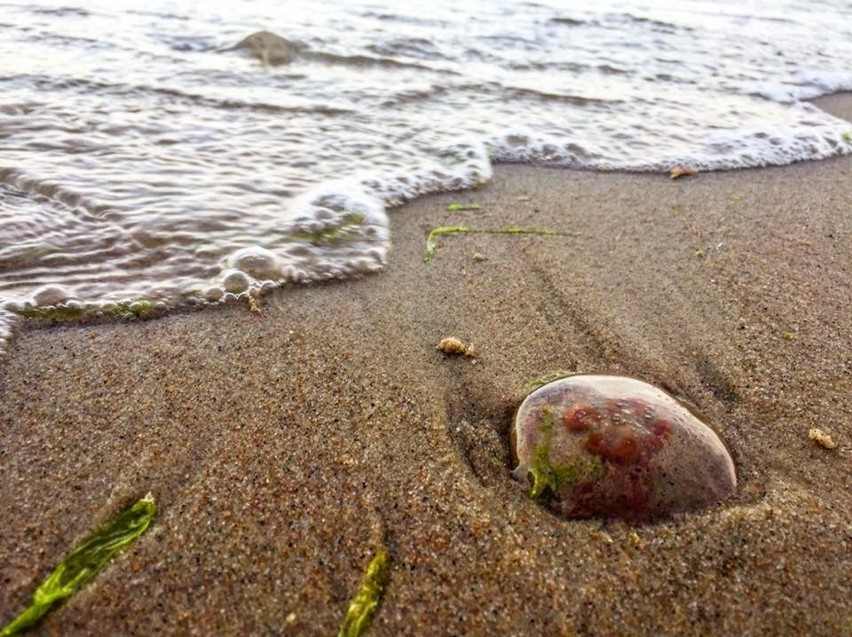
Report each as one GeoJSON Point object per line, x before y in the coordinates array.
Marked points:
{"type": "Point", "coordinates": [679, 171]}
{"type": "Point", "coordinates": [253, 301]}
{"type": "Point", "coordinates": [822, 438]}
{"type": "Point", "coordinates": [455, 346]}
{"type": "Point", "coordinates": [616, 447]}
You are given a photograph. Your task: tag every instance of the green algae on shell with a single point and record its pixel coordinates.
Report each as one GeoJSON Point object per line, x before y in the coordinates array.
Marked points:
{"type": "Point", "coordinates": [615, 447]}
{"type": "Point", "coordinates": [84, 562]}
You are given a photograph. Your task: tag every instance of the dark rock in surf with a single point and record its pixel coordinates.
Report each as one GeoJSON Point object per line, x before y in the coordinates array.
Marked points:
{"type": "Point", "coordinates": [269, 48]}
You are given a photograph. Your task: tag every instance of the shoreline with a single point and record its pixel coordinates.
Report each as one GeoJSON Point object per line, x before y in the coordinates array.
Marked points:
{"type": "Point", "coordinates": [285, 448]}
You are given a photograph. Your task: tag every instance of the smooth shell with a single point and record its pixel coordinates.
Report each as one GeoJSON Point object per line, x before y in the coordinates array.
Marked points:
{"type": "Point", "coordinates": [617, 447]}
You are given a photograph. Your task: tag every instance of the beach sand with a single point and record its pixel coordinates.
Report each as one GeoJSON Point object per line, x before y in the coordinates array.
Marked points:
{"type": "Point", "coordinates": [284, 448]}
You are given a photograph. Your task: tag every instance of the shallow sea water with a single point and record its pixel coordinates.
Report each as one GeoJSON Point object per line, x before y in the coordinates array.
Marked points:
{"type": "Point", "coordinates": [142, 156]}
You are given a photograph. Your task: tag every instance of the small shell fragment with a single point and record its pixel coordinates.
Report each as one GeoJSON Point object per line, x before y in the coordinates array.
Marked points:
{"type": "Point", "coordinates": [822, 438]}
{"type": "Point", "coordinates": [454, 345]}
{"type": "Point", "coordinates": [615, 447]}
{"type": "Point", "coordinates": [679, 171]}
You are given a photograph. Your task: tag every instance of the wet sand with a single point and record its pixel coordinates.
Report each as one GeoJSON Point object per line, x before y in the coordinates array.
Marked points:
{"type": "Point", "coordinates": [284, 448]}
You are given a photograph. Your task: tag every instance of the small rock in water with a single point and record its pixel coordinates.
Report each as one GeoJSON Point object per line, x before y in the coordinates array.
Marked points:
{"type": "Point", "coordinates": [615, 447]}
{"type": "Point", "coordinates": [269, 48]}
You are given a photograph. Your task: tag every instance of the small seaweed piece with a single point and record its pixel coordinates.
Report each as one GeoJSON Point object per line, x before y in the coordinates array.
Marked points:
{"type": "Point", "coordinates": [125, 311]}
{"type": "Point", "coordinates": [431, 240]}
{"type": "Point", "coordinates": [84, 562]}
{"type": "Point", "coordinates": [350, 224]}
{"type": "Point", "coordinates": [460, 207]}
{"type": "Point", "coordinates": [363, 606]}
{"type": "Point", "coordinates": [132, 310]}
{"type": "Point", "coordinates": [59, 314]}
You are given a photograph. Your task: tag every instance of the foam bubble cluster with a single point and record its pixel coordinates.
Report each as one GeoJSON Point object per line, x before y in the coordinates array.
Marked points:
{"type": "Point", "coordinates": [340, 230]}
{"type": "Point", "coordinates": [337, 231]}
{"type": "Point", "coordinates": [743, 147]}
{"type": "Point", "coordinates": [49, 295]}
{"type": "Point", "coordinates": [462, 165]}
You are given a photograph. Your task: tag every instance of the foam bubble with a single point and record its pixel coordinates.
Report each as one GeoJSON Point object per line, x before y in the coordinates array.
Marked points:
{"type": "Point", "coordinates": [235, 281]}
{"type": "Point", "coordinates": [50, 295]}
{"type": "Point", "coordinates": [335, 231]}
{"type": "Point", "coordinates": [257, 262]}
{"type": "Point", "coordinates": [213, 293]}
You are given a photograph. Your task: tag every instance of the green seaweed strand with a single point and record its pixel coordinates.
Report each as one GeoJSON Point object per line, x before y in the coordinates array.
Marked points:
{"type": "Point", "coordinates": [461, 207]}
{"type": "Point", "coordinates": [432, 245]}
{"type": "Point", "coordinates": [350, 225]}
{"type": "Point", "coordinates": [84, 562]}
{"type": "Point", "coordinates": [366, 600]}
{"type": "Point", "coordinates": [128, 311]}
